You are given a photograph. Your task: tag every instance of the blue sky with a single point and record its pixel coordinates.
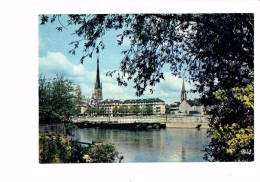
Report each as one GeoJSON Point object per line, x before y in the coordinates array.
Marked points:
{"type": "Point", "coordinates": [54, 58]}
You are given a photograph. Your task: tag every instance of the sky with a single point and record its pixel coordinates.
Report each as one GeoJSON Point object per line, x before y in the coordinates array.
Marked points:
{"type": "Point", "coordinates": [54, 58]}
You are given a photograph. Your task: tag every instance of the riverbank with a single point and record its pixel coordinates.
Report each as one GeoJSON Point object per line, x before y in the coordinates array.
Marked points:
{"type": "Point", "coordinates": [169, 120]}
{"type": "Point", "coordinates": [122, 126]}
{"type": "Point", "coordinates": [204, 125]}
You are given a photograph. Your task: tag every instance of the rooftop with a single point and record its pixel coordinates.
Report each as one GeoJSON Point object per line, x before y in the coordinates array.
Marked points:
{"type": "Point", "coordinates": [107, 101]}
{"type": "Point", "coordinates": [151, 100]}
{"type": "Point", "coordinates": [129, 101]}
{"type": "Point", "coordinates": [194, 102]}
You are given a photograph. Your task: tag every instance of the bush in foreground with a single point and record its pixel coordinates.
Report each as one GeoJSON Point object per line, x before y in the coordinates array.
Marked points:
{"type": "Point", "coordinates": [55, 148]}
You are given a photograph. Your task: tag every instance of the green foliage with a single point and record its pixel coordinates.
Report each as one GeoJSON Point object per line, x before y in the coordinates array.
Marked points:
{"type": "Point", "coordinates": [149, 110]}
{"type": "Point", "coordinates": [135, 109]}
{"type": "Point", "coordinates": [56, 100]}
{"type": "Point", "coordinates": [55, 148]}
{"type": "Point", "coordinates": [105, 153]}
{"type": "Point", "coordinates": [95, 110]}
{"type": "Point", "coordinates": [244, 95]}
{"type": "Point", "coordinates": [115, 110]}
{"type": "Point", "coordinates": [232, 126]}
{"type": "Point", "coordinates": [123, 109]}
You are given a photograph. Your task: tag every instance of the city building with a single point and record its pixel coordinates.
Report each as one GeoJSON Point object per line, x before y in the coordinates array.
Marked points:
{"type": "Point", "coordinates": [174, 108]}
{"type": "Point", "coordinates": [109, 106]}
{"type": "Point", "coordinates": [133, 106]}
{"type": "Point", "coordinates": [157, 105]}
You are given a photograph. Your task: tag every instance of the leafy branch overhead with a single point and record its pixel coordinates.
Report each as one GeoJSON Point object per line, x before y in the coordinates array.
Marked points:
{"type": "Point", "coordinates": [214, 51]}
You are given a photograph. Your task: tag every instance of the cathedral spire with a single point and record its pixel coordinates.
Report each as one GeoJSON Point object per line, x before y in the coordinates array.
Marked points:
{"type": "Point", "coordinates": [97, 95]}
{"type": "Point", "coordinates": [183, 92]}
{"type": "Point", "coordinates": [98, 83]}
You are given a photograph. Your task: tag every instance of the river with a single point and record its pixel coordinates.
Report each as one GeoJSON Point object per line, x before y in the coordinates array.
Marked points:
{"type": "Point", "coordinates": [165, 145]}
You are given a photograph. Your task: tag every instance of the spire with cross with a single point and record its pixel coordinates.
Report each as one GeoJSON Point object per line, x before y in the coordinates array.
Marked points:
{"type": "Point", "coordinates": [183, 92]}
{"type": "Point", "coordinates": [97, 95]}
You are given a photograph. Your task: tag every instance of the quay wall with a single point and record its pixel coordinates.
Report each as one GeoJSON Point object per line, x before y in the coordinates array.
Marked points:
{"type": "Point", "coordinates": [171, 122]}
{"type": "Point", "coordinates": [204, 125]}
{"type": "Point", "coordinates": [121, 119]}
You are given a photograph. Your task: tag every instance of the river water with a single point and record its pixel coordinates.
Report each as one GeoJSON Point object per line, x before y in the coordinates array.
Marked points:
{"type": "Point", "coordinates": [165, 145]}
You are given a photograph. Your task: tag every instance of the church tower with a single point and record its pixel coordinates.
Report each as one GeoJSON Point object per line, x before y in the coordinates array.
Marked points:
{"type": "Point", "coordinates": [183, 92]}
{"type": "Point", "coordinates": [97, 95]}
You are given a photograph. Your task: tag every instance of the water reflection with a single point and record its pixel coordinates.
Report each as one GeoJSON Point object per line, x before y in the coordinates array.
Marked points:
{"type": "Point", "coordinates": [169, 145]}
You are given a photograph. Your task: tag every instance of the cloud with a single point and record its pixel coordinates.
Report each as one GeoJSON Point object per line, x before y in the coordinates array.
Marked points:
{"type": "Point", "coordinates": [111, 90]}
{"type": "Point", "coordinates": [169, 89]}
{"type": "Point", "coordinates": [55, 62]}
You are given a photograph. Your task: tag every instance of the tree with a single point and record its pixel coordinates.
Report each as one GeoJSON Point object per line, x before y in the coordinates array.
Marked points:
{"type": "Point", "coordinates": [149, 110]}
{"type": "Point", "coordinates": [56, 100]}
{"type": "Point", "coordinates": [90, 110]}
{"type": "Point", "coordinates": [101, 111]}
{"type": "Point", "coordinates": [115, 110]}
{"type": "Point", "coordinates": [214, 51]}
{"type": "Point", "coordinates": [135, 109]}
{"type": "Point", "coordinates": [123, 109]}
{"type": "Point", "coordinates": [232, 125]}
